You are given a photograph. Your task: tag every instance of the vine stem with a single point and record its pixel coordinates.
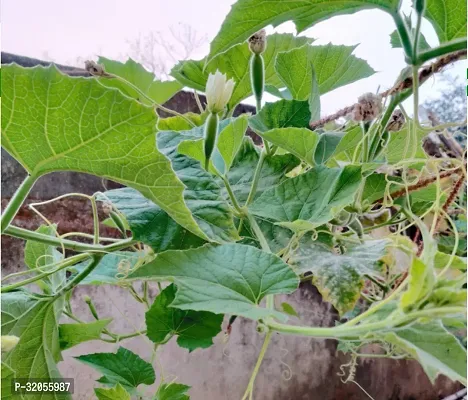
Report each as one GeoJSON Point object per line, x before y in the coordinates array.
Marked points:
{"type": "Point", "coordinates": [261, 356]}
{"type": "Point", "coordinates": [66, 263]}
{"type": "Point", "coordinates": [449, 47]}
{"type": "Point", "coordinates": [256, 177]}
{"type": "Point", "coordinates": [68, 244]}
{"type": "Point", "coordinates": [17, 201]}
{"type": "Point", "coordinates": [231, 194]}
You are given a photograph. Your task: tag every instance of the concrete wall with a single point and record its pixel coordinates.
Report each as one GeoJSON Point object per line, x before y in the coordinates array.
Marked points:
{"type": "Point", "coordinates": [294, 368]}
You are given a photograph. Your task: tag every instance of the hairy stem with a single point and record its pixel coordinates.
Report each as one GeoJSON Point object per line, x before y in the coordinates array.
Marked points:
{"type": "Point", "coordinates": [17, 201]}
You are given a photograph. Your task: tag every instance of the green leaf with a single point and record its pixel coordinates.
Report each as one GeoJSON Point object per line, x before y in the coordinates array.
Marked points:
{"type": "Point", "coordinates": [281, 114]}
{"type": "Point", "coordinates": [33, 320]}
{"type": "Point", "coordinates": [226, 279]}
{"type": "Point", "coordinates": [289, 309]}
{"type": "Point", "coordinates": [421, 282]}
{"type": "Point", "coordinates": [133, 72]}
{"type": "Point", "coordinates": [313, 196]}
{"type": "Point", "coordinates": [326, 147]}
{"type": "Point", "coordinates": [195, 329]}
{"type": "Point", "coordinates": [395, 41]}
{"type": "Point", "coordinates": [438, 351]}
{"type": "Point", "coordinates": [178, 123]}
{"type": "Point", "coordinates": [442, 259]}
{"type": "Point", "coordinates": [7, 375]}
{"type": "Point", "coordinates": [118, 392]}
{"type": "Point", "coordinates": [248, 16]}
{"type": "Point", "coordinates": [301, 142]}
{"type": "Point", "coordinates": [403, 143]}
{"type": "Point", "coordinates": [340, 277]}
{"type": "Point", "coordinates": [172, 391]}
{"type": "Point", "coordinates": [123, 367]}
{"type": "Point", "coordinates": [112, 268]}
{"type": "Point", "coordinates": [235, 64]}
{"type": "Point", "coordinates": [243, 168]}
{"type": "Point", "coordinates": [448, 18]}
{"type": "Point", "coordinates": [73, 334]}
{"type": "Point", "coordinates": [37, 255]}
{"type": "Point", "coordinates": [53, 122]}
{"type": "Point", "coordinates": [314, 98]}
{"type": "Point", "coordinates": [333, 66]}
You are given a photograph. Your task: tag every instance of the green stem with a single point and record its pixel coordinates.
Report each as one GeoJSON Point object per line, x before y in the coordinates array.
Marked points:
{"type": "Point", "coordinates": [442, 50]}
{"type": "Point", "coordinates": [95, 259]}
{"type": "Point", "coordinates": [66, 263]}
{"type": "Point", "coordinates": [258, 232]}
{"type": "Point", "coordinates": [95, 220]}
{"type": "Point", "coordinates": [261, 356]}
{"type": "Point", "coordinates": [350, 332]}
{"type": "Point", "coordinates": [417, 32]}
{"type": "Point", "coordinates": [17, 201]}
{"type": "Point", "coordinates": [231, 194]}
{"type": "Point", "coordinates": [256, 178]}
{"type": "Point", "coordinates": [68, 244]}
{"type": "Point", "coordinates": [404, 35]}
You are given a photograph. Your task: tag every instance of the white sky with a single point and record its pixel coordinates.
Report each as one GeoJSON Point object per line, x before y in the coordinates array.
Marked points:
{"type": "Point", "coordinates": [67, 30]}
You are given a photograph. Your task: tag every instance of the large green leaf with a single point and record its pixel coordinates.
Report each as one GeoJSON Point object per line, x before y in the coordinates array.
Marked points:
{"type": "Point", "coordinates": [313, 196]}
{"type": "Point", "coordinates": [118, 392]}
{"type": "Point", "coordinates": [281, 114]}
{"type": "Point", "coordinates": [249, 16]}
{"type": "Point", "coordinates": [301, 142]}
{"type": "Point", "coordinates": [226, 279]}
{"type": "Point", "coordinates": [403, 143]}
{"type": "Point", "coordinates": [172, 391]}
{"type": "Point", "coordinates": [123, 367]}
{"type": "Point", "coordinates": [74, 334]}
{"type": "Point", "coordinates": [133, 72]}
{"type": "Point", "coordinates": [235, 64]}
{"type": "Point", "coordinates": [243, 168]}
{"type": "Point", "coordinates": [53, 122]}
{"type": "Point", "coordinates": [194, 329]}
{"type": "Point", "coordinates": [438, 351]}
{"type": "Point", "coordinates": [448, 18]}
{"type": "Point", "coordinates": [7, 374]}
{"type": "Point", "coordinates": [340, 277]}
{"type": "Point", "coordinates": [33, 321]}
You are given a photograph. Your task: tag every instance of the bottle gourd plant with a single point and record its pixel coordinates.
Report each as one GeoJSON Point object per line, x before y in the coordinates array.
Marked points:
{"type": "Point", "coordinates": [224, 225]}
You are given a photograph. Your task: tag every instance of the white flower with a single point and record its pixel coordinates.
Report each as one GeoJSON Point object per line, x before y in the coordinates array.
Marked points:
{"type": "Point", "coordinates": [218, 91]}
{"type": "Point", "coordinates": [8, 343]}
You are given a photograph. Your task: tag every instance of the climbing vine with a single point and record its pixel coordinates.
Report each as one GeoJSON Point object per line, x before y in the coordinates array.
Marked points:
{"type": "Point", "coordinates": [222, 225]}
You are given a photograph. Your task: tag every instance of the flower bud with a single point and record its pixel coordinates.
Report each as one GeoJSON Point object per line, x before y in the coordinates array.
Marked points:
{"type": "Point", "coordinates": [211, 133]}
{"type": "Point", "coordinates": [257, 42]}
{"type": "Point", "coordinates": [8, 343]}
{"type": "Point", "coordinates": [106, 207]}
{"type": "Point", "coordinates": [420, 6]}
{"type": "Point", "coordinates": [368, 107]}
{"type": "Point", "coordinates": [397, 120]}
{"type": "Point", "coordinates": [218, 91]}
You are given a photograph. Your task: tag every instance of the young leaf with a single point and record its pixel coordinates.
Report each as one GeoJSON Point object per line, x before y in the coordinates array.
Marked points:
{"type": "Point", "coordinates": [33, 321]}
{"type": "Point", "coordinates": [243, 168]}
{"type": "Point", "coordinates": [172, 391]}
{"type": "Point", "coordinates": [118, 392]}
{"type": "Point", "coordinates": [395, 41]}
{"type": "Point", "coordinates": [421, 282]}
{"type": "Point", "coordinates": [438, 351]}
{"type": "Point", "coordinates": [73, 334]}
{"type": "Point", "coordinates": [123, 367]}
{"type": "Point", "coordinates": [133, 72]}
{"type": "Point", "coordinates": [226, 279]}
{"type": "Point", "coordinates": [281, 114]}
{"type": "Point", "coordinates": [314, 196]}
{"type": "Point", "coordinates": [248, 16]}
{"type": "Point", "coordinates": [60, 123]}
{"type": "Point", "coordinates": [235, 64]}
{"type": "Point", "coordinates": [301, 142]}
{"type": "Point", "coordinates": [289, 309]}
{"type": "Point", "coordinates": [448, 18]}
{"type": "Point", "coordinates": [340, 277]}
{"type": "Point", "coordinates": [195, 329]}
{"type": "Point", "coordinates": [441, 260]}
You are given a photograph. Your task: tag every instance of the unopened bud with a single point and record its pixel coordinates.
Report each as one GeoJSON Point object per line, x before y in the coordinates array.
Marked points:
{"type": "Point", "coordinates": [95, 69]}
{"type": "Point", "coordinates": [262, 328]}
{"type": "Point", "coordinates": [368, 107]}
{"type": "Point", "coordinates": [397, 120]}
{"type": "Point", "coordinates": [257, 42]}
{"type": "Point", "coordinates": [107, 207]}
{"type": "Point", "coordinates": [8, 343]}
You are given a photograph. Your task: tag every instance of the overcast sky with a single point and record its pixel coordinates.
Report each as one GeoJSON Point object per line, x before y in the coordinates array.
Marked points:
{"type": "Point", "coordinates": [65, 31]}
